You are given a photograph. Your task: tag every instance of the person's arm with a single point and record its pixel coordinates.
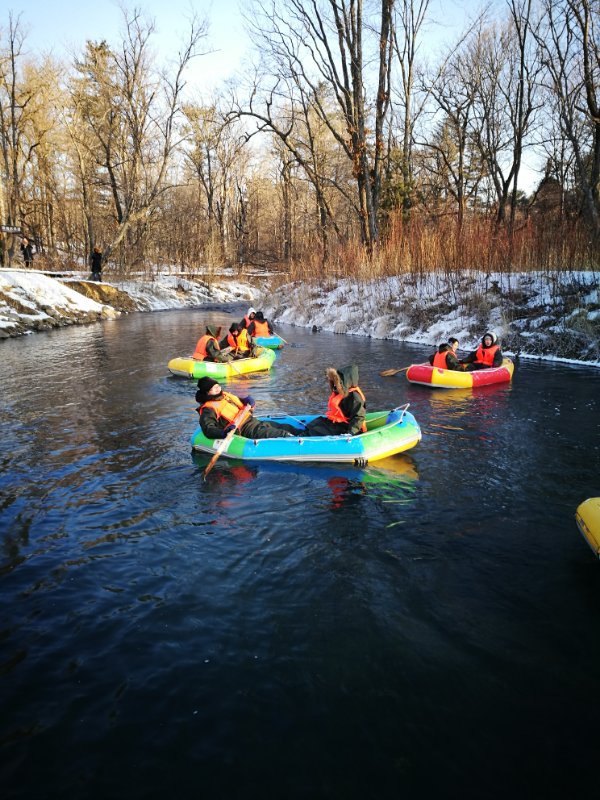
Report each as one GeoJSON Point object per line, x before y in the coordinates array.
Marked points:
{"type": "Point", "coordinates": [498, 357]}
{"type": "Point", "coordinates": [251, 329]}
{"type": "Point", "coordinates": [212, 350]}
{"type": "Point", "coordinates": [210, 425]}
{"type": "Point", "coordinates": [354, 408]}
{"type": "Point", "coordinates": [452, 361]}
{"type": "Point", "coordinates": [431, 359]}
{"type": "Point", "coordinates": [470, 358]}
{"type": "Point", "coordinates": [270, 329]}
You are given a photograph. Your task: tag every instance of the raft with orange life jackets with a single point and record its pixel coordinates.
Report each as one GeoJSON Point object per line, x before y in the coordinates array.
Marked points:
{"type": "Point", "coordinates": [387, 433]}
{"type": "Point", "coordinates": [439, 378]}
{"type": "Point", "coordinates": [191, 368]}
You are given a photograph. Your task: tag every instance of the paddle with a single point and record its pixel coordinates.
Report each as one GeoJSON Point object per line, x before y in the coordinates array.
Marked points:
{"type": "Point", "coordinates": [240, 417]}
{"type": "Point", "coordinates": [387, 372]}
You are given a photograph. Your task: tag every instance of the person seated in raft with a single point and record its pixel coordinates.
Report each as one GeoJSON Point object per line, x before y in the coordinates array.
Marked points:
{"type": "Point", "coordinates": [487, 355]}
{"type": "Point", "coordinates": [248, 317]}
{"type": "Point", "coordinates": [445, 358]}
{"type": "Point", "coordinates": [259, 326]}
{"type": "Point", "coordinates": [218, 409]}
{"type": "Point", "coordinates": [208, 349]}
{"type": "Point", "coordinates": [236, 342]}
{"type": "Point", "coordinates": [347, 406]}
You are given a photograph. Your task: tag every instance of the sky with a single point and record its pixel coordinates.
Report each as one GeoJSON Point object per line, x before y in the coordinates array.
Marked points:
{"type": "Point", "coordinates": [63, 26]}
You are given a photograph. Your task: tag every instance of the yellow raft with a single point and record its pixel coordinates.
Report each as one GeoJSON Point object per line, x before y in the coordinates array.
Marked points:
{"type": "Point", "coordinates": [190, 368]}
{"type": "Point", "coordinates": [587, 517]}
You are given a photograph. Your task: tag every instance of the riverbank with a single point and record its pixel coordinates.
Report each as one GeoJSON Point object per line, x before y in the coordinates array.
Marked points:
{"type": "Point", "coordinates": [554, 315]}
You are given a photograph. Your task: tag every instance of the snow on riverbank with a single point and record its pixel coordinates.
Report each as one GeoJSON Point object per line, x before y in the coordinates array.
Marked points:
{"type": "Point", "coordinates": [538, 314]}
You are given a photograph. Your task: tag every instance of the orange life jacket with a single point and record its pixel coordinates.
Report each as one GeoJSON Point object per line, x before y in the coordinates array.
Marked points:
{"type": "Point", "coordinates": [485, 355]}
{"type": "Point", "coordinates": [200, 351]}
{"type": "Point", "coordinates": [247, 320]}
{"type": "Point", "coordinates": [439, 360]}
{"type": "Point", "coordinates": [227, 406]}
{"type": "Point", "coordinates": [261, 328]}
{"type": "Point", "coordinates": [335, 413]}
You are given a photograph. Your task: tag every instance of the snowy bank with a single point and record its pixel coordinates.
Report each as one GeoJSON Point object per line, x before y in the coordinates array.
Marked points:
{"type": "Point", "coordinates": [533, 313]}
{"type": "Point", "coordinates": [553, 315]}
{"type": "Point", "coordinates": [32, 301]}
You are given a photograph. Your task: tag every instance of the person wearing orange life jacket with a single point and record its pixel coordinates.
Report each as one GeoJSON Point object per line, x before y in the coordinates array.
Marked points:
{"type": "Point", "coordinates": [248, 317]}
{"type": "Point", "coordinates": [347, 406]}
{"type": "Point", "coordinates": [487, 355]}
{"type": "Point", "coordinates": [218, 409]}
{"type": "Point", "coordinates": [208, 348]}
{"type": "Point", "coordinates": [236, 342]}
{"type": "Point", "coordinates": [259, 326]}
{"type": "Point", "coordinates": [445, 358]}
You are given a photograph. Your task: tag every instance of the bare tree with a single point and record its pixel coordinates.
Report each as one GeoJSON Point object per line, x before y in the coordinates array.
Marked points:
{"type": "Point", "coordinates": [321, 43]}
{"type": "Point", "coordinates": [569, 41]}
{"type": "Point", "coordinates": [130, 112]}
{"type": "Point", "coordinates": [409, 18]}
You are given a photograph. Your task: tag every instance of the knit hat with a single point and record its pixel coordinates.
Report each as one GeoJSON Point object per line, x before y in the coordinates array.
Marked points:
{"type": "Point", "coordinates": [213, 330]}
{"type": "Point", "coordinates": [492, 335]}
{"type": "Point", "coordinates": [251, 311]}
{"type": "Point", "coordinates": [204, 386]}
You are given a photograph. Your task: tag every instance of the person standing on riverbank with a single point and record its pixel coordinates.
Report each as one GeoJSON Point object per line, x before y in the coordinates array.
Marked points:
{"type": "Point", "coordinates": [27, 251]}
{"type": "Point", "coordinates": [96, 264]}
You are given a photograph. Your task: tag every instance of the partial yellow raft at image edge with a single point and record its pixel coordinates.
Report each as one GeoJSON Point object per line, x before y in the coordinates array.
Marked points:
{"type": "Point", "coordinates": [587, 517]}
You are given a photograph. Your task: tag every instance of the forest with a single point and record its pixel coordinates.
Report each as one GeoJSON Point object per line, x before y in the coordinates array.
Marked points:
{"type": "Point", "coordinates": [346, 150]}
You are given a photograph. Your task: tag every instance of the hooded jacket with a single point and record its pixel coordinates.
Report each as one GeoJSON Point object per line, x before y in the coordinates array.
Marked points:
{"type": "Point", "coordinates": [486, 356]}
{"type": "Point", "coordinates": [346, 398]}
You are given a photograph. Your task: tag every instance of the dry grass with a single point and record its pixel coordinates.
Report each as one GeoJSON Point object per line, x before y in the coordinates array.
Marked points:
{"type": "Point", "coordinates": [425, 245]}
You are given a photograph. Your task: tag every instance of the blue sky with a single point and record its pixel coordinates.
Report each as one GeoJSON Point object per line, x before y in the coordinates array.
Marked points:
{"type": "Point", "coordinates": [64, 26]}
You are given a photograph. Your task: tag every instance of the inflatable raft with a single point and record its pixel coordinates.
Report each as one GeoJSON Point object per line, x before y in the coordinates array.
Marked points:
{"type": "Point", "coordinates": [587, 517]}
{"type": "Point", "coordinates": [190, 368]}
{"type": "Point", "coordinates": [426, 375]}
{"type": "Point", "coordinates": [272, 342]}
{"type": "Point", "coordinates": [388, 433]}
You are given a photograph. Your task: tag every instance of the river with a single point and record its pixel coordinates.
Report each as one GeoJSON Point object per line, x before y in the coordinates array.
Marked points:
{"type": "Point", "coordinates": [425, 627]}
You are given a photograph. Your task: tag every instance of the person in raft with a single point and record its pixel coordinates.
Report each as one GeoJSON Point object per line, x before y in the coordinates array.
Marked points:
{"type": "Point", "coordinates": [218, 409]}
{"type": "Point", "coordinates": [445, 358]}
{"type": "Point", "coordinates": [208, 348]}
{"type": "Point", "coordinates": [236, 342]}
{"type": "Point", "coordinates": [347, 406]}
{"type": "Point", "coordinates": [259, 326]}
{"type": "Point", "coordinates": [248, 317]}
{"type": "Point", "coordinates": [487, 355]}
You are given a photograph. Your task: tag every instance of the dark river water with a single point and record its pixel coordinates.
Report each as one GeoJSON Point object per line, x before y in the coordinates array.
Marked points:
{"type": "Point", "coordinates": [425, 627]}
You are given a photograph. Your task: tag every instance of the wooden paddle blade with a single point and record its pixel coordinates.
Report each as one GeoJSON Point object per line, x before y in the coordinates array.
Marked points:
{"type": "Point", "coordinates": [387, 372]}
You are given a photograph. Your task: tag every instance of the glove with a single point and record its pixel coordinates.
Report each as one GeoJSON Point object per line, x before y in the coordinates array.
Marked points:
{"type": "Point", "coordinates": [249, 401]}
{"type": "Point", "coordinates": [228, 429]}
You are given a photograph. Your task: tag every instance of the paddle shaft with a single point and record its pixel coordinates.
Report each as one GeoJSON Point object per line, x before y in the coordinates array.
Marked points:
{"type": "Point", "coordinates": [240, 417]}
{"type": "Point", "coordinates": [387, 372]}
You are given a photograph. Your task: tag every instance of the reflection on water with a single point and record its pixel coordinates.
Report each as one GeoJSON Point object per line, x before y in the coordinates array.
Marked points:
{"type": "Point", "coordinates": [290, 630]}
{"type": "Point", "coordinates": [390, 479]}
